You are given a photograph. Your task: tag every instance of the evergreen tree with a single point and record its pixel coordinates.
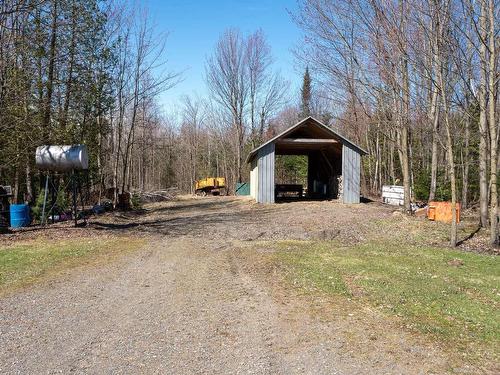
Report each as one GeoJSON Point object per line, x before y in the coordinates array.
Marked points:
{"type": "Point", "coordinates": [305, 94]}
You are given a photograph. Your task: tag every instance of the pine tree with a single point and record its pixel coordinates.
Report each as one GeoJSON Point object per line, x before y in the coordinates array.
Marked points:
{"type": "Point", "coordinates": [305, 93]}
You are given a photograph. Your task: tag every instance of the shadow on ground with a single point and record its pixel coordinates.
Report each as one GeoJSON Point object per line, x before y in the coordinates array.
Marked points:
{"type": "Point", "coordinates": [194, 218]}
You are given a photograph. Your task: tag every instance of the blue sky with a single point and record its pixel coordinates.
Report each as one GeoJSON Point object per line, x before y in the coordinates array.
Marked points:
{"type": "Point", "coordinates": [195, 26]}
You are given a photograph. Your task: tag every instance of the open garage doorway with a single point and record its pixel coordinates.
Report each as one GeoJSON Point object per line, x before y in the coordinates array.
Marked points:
{"type": "Point", "coordinates": [291, 177]}
{"type": "Point", "coordinates": [312, 173]}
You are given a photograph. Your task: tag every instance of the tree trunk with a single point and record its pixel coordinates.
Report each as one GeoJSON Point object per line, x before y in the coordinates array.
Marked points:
{"type": "Point", "coordinates": [493, 128]}
{"type": "Point", "coordinates": [442, 64]}
{"type": "Point", "coordinates": [392, 173]}
{"type": "Point", "coordinates": [434, 105]}
{"type": "Point", "coordinates": [483, 130]}
{"type": "Point", "coordinates": [29, 189]}
{"type": "Point", "coordinates": [465, 170]}
{"type": "Point", "coordinates": [405, 162]}
{"type": "Point", "coordinates": [434, 117]}
{"type": "Point", "coordinates": [451, 162]}
{"type": "Point", "coordinates": [69, 81]}
{"type": "Point", "coordinates": [16, 184]}
{"type": "Point", "coordinates": [50, 75]}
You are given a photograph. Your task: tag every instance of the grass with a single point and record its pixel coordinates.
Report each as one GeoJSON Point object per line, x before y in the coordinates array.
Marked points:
{"type": "Point", "coordinates": [25, 263]}
{"type": "Point", "coordinates": [451, 295]}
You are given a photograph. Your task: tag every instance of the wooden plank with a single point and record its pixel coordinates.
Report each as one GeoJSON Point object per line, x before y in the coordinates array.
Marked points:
{"type": "Point", "coordinates": [386, 194]}
{"type": "Point", "coordinates": [307, 141]}
{"type": "Point", "coordinates": [394, 201]}
{"type": "Point", "coordinates": [393, 188]}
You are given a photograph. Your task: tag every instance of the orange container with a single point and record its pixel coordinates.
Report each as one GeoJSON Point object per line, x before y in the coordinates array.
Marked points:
{"type": "Point", "coordinates": [441, 211]}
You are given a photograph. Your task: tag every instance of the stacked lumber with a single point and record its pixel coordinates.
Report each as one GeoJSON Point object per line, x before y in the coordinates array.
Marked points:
{"type": "Point", "coordinates": [340, 189]}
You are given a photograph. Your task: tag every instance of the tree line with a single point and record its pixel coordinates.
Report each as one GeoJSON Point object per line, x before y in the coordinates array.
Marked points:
{"type": "Point", "coordinates": [416, 83]}
{"type": "Point", "coordinates": [82, 71]}
{"type": "Point", "coordinates": [413, 82]}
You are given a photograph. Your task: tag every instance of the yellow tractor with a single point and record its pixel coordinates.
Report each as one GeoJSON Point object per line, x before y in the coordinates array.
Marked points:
{"type": "Point", "coordinates": [210, 185]}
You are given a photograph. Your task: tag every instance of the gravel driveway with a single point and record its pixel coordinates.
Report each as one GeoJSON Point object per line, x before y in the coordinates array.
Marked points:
{"type": "Point", "coordinates": [199, 299]}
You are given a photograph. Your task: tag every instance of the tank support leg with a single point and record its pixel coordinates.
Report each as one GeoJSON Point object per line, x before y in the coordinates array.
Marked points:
{"type": "Point", "coordinates": [73, 177]}
{"type": "Point", "coordinates": [53, 198]}
{"type": "Point", "coordinates": [44, 221]}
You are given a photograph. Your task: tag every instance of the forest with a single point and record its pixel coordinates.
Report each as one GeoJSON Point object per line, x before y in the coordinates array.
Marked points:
{"type": "Point", "coordinates": [415, 83]}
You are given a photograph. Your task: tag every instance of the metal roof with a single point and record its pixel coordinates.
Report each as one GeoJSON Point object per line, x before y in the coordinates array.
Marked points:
{"type": "Point", "coordinates": [334, 134]}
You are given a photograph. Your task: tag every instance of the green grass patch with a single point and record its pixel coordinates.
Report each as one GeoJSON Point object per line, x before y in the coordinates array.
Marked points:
{"type": "Point", "coordinates": [451, 295]}
{"type": "Point", "coordinates": [24, 263]}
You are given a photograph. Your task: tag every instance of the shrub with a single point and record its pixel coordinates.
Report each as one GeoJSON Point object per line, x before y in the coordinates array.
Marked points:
{"type": "Point", "coordinates": [62, 204]}
{"type": "Point", "coordinates": [135, 201]}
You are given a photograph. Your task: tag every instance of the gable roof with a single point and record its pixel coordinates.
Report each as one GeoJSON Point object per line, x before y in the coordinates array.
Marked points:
{"type": "Point", "coordinates": [333, 133]}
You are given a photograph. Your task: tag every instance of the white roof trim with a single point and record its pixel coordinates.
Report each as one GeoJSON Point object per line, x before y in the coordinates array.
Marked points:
{"type": "Point", "coordinates": [341, 138]}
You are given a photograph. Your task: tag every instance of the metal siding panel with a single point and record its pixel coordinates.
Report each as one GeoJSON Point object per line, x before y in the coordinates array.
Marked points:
{"type": "Point", "coordinates": [271, 175]}
{"type": "Point", "coordinates": [344, 173]}
{"type": "Point", "coordinates": [265, 181]}
{"type": "Point", "coordinates": [273, 182]}
{"type": "Point", "coordinates": [265, 171]}
{"type": "Point", "coordinates": [351, 169]}
{"type": "Point", "coordinates": [346, 180]}
{"type": "Point", "coordinates": [260, 167]}
{"type": "Point", "coordinates": [254, 179]}
{"type": "Point", "coordinates": [351, 174]}
{"type": "Point", "coordinates": [262, 176]}
{"type": "Point", "coordinates": [259, 180]}
{"type": "Point", "coordinates": [357, 176]}
{"type": "Point", "coordinates": [270, 171]}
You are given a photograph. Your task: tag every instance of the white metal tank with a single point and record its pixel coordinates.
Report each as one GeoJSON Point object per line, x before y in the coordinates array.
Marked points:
{"type": "Point", "coordinates": [62, 158]}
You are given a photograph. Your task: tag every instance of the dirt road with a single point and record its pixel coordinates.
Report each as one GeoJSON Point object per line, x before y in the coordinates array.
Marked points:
{"type": "Point", "coordinates": [201, 299]}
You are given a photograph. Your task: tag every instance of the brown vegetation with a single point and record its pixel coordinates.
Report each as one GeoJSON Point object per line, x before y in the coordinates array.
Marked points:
{"type": "Point", "coordinates": [413, 82]}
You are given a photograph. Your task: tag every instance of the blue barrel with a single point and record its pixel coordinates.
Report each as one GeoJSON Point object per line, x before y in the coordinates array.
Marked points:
{"type": "Point", "coordinates": [19, 215]}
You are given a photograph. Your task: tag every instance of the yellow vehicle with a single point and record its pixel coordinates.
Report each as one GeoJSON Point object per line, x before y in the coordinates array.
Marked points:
{"type": "Point", "coordinates": [210, 185]}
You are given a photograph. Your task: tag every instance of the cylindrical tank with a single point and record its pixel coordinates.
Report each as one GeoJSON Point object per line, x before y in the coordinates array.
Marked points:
{"type": "Point", "coordinates": [62, 158]}
{"type": "Point", "coordinates": [19, 215]}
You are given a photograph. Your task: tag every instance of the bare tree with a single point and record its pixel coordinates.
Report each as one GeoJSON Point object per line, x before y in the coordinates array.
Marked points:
{"type": "Point", "coordinates": [493, 125]}
{"type": "Point", "coordinates": [434, 101]}
{"type": "Point", "coordinates": [483, 117]}
{"type": "Point", "coordinates": [442, 24]}
{"type": "Point", "coordinates": [227, 79]}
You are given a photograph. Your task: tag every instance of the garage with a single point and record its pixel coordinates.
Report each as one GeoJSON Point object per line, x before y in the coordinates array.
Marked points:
{"type": "Point", "coordinates": [333, 164]}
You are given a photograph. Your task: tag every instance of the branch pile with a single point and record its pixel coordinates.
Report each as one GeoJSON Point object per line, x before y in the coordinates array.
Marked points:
{"type": "Point", "coordinates": [157, 195]}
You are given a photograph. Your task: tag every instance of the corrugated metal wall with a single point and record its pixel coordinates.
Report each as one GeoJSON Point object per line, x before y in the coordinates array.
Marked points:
{"type": "Point", "coordinates": [351, 170]}
{"type": "Point", "coordinates": [265, 172]}
{"type": "Point", "coordinates": [254, 179]}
